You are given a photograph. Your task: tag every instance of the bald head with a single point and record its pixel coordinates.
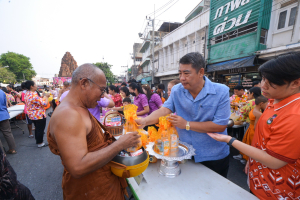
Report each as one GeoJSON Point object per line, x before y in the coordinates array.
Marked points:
{"type": "Point", "coordinates": [86, 71]}
{"type": "Point", "coordinates": [88, 84]}
{"type": "Point", "coordinates": [66, 84]}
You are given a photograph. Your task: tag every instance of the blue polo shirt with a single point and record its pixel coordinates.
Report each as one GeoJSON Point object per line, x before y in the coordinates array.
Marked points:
{"type": "Point", "coordinates": [3, 109]}
{"type": "Point", "coordinates": [211, 104]}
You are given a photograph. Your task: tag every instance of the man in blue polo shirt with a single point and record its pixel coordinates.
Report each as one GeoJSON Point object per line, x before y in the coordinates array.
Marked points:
{"type": "Point", "coordinates": [5, 125]}
{"type": "Point", "coordinates": [201, 107]}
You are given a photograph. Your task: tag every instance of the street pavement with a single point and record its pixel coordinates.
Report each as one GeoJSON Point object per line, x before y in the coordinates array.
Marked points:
{"type": "Point", "coordinates": [41, 171]}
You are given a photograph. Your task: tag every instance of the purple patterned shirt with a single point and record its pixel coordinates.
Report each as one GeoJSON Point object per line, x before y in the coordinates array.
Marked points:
{"type": "Point", "coordinates": [141, 101]}
{"type": "Point", "coordinates": [154, 103]}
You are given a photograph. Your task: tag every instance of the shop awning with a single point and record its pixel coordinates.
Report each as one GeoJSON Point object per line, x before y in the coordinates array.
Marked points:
{"type": "Point", "coordinates": [231, 64]}
{"type": "Point", "coordinates": [146, 79]}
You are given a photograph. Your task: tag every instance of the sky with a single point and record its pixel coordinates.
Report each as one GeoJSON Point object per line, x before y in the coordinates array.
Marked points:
{"type": "Point", "coordinates": [91, 30]}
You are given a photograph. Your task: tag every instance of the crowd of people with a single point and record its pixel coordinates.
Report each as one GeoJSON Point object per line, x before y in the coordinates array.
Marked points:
{"type": "Point", "coordinates": [244, 105]}
{"type": "Point", "coordinates": [36, 102]}
{"type": "Point", "coordinates": [34, 109]}
{"type": "Point", "coordinates": [269, 110]}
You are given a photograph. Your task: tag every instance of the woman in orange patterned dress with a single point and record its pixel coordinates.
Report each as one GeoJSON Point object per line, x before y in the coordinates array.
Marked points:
{"type": "Point", "coordinates": [36, 110]}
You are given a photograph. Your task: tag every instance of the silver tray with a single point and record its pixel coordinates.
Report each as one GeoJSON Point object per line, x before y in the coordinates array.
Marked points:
{"type": "Point", "coordinates": [185, 151]}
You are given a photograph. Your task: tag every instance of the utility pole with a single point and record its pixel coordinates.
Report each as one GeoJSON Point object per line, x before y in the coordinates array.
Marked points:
{"type": "Point", "coordinates": [134, 46]}
{"type": "Point", "coordinates": [133, 68]}
{"type": "Point", "coordinates": [152, 73]}
{"type": "Point", "coordinates": [23, 77]}
{"type": "Point", "coordinates": [125, 71]}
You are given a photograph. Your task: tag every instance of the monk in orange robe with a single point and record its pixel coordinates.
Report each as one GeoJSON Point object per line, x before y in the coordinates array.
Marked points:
{"type": "Point", "coordinates": [84, 145]}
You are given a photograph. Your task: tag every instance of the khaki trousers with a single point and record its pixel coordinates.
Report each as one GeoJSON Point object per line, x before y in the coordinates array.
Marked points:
{"type": "Point", "coordinates": [5, 129]}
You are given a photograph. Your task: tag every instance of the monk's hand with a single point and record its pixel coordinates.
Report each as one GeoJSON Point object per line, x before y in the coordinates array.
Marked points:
{"type": "Point", "coordinates": [141, 123]}
{"type": "Point", "coordinates": [129, 140]}
{"type": "Point", "coordinates": [220, 137]}
{"type": "Point", "coordinates": [177, 121]}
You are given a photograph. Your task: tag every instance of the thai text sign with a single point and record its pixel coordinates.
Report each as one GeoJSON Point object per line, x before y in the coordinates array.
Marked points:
{"type": "Point", "coordinates": [226, 15]}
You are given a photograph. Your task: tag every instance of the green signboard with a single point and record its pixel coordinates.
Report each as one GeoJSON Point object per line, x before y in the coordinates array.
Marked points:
{"type": "Point", "coordinates": [236, 48]}
{"type": "Point", "coordinates": [226, 15]}
{"type": "Point", "coordinates": [235, 28]}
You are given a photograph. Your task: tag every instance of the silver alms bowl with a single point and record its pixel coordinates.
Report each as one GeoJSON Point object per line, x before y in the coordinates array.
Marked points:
{"type": "Point", "coordinates": [131, 161]}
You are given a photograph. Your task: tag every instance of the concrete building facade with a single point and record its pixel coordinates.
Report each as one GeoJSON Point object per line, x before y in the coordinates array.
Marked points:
{"type": "Point", "coordinates": [284, 32]}
{"type": "Point", "coordinates": [189, 37]}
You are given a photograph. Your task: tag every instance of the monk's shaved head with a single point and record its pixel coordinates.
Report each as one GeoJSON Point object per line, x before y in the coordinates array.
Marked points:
{"type": "Point", "coordinates": [86, 71]}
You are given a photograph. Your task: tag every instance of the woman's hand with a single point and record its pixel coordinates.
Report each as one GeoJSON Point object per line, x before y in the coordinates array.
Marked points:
{"type": "Point", "coordinates": [220, 137]}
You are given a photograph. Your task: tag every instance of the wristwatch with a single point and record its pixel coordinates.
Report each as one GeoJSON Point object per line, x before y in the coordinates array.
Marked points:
{"type": "Point", "coordinates": [231, 141]}
{"type": "Point", "coordinates": [187, 126]}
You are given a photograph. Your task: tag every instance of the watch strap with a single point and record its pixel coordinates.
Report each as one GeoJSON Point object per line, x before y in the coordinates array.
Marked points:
{"type": "Point", "coordinates": [187, 127]}
{"type": "Point", "coordinates": [231, 141]}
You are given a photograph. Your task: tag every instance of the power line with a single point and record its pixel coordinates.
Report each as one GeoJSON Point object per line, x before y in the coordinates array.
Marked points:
{"type": "Point", "coordinates": [178, 51]}
{"type": "Point", "coordinates": [161, 8]}
{"type": "Point", "coordinates": [272, 10]}
{"type": "Point", "coordinates": [281, 2]}
{"type": "Point", "coordinates": [167, 9]}
{"type": "Point", "coordinates": [189, 45]}
{"type": "Point", "coordinates": [170, 60]}
{"type": "Point", "coordinates": [147, 28]}
{"type": "Point", "coordinates": [156, 11]}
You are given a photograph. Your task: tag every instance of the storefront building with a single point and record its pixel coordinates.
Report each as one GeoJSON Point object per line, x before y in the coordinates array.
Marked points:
{"type": "Point", "coordinates": [284, 32]}
{"type": "Point", "coordinates": [237, 29]}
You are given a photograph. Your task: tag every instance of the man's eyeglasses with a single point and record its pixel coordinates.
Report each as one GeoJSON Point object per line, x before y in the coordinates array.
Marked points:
{"type": "Point", "coordinates": [101, 88]}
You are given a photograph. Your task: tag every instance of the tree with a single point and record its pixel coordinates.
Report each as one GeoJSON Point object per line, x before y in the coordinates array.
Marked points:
{"type": "Point", "coordinates": [18, 64]}
{"type": "Point", "coordinates": [105, 67]}
{"type": "Point", "coordinates": [6, 76]}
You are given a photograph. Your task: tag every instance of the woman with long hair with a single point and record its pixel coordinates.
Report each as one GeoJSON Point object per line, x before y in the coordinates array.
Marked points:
{"type": "Point", "coordinates": [28, 121]}
{"type": "Point", "coordinates": [124, 92]}
{"type": "Point", "coordinates": [140, 100]}
{"type": "Point", "coordinates": [116, 97]}
{"type": "Point", "coordinates": [36, 110]}
{"type": "Point", "coordinates": [154, 99]}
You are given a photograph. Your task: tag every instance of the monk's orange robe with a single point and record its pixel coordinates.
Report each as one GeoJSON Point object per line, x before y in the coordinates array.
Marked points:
{"type": "Point", "coordinates": [100, 184]}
